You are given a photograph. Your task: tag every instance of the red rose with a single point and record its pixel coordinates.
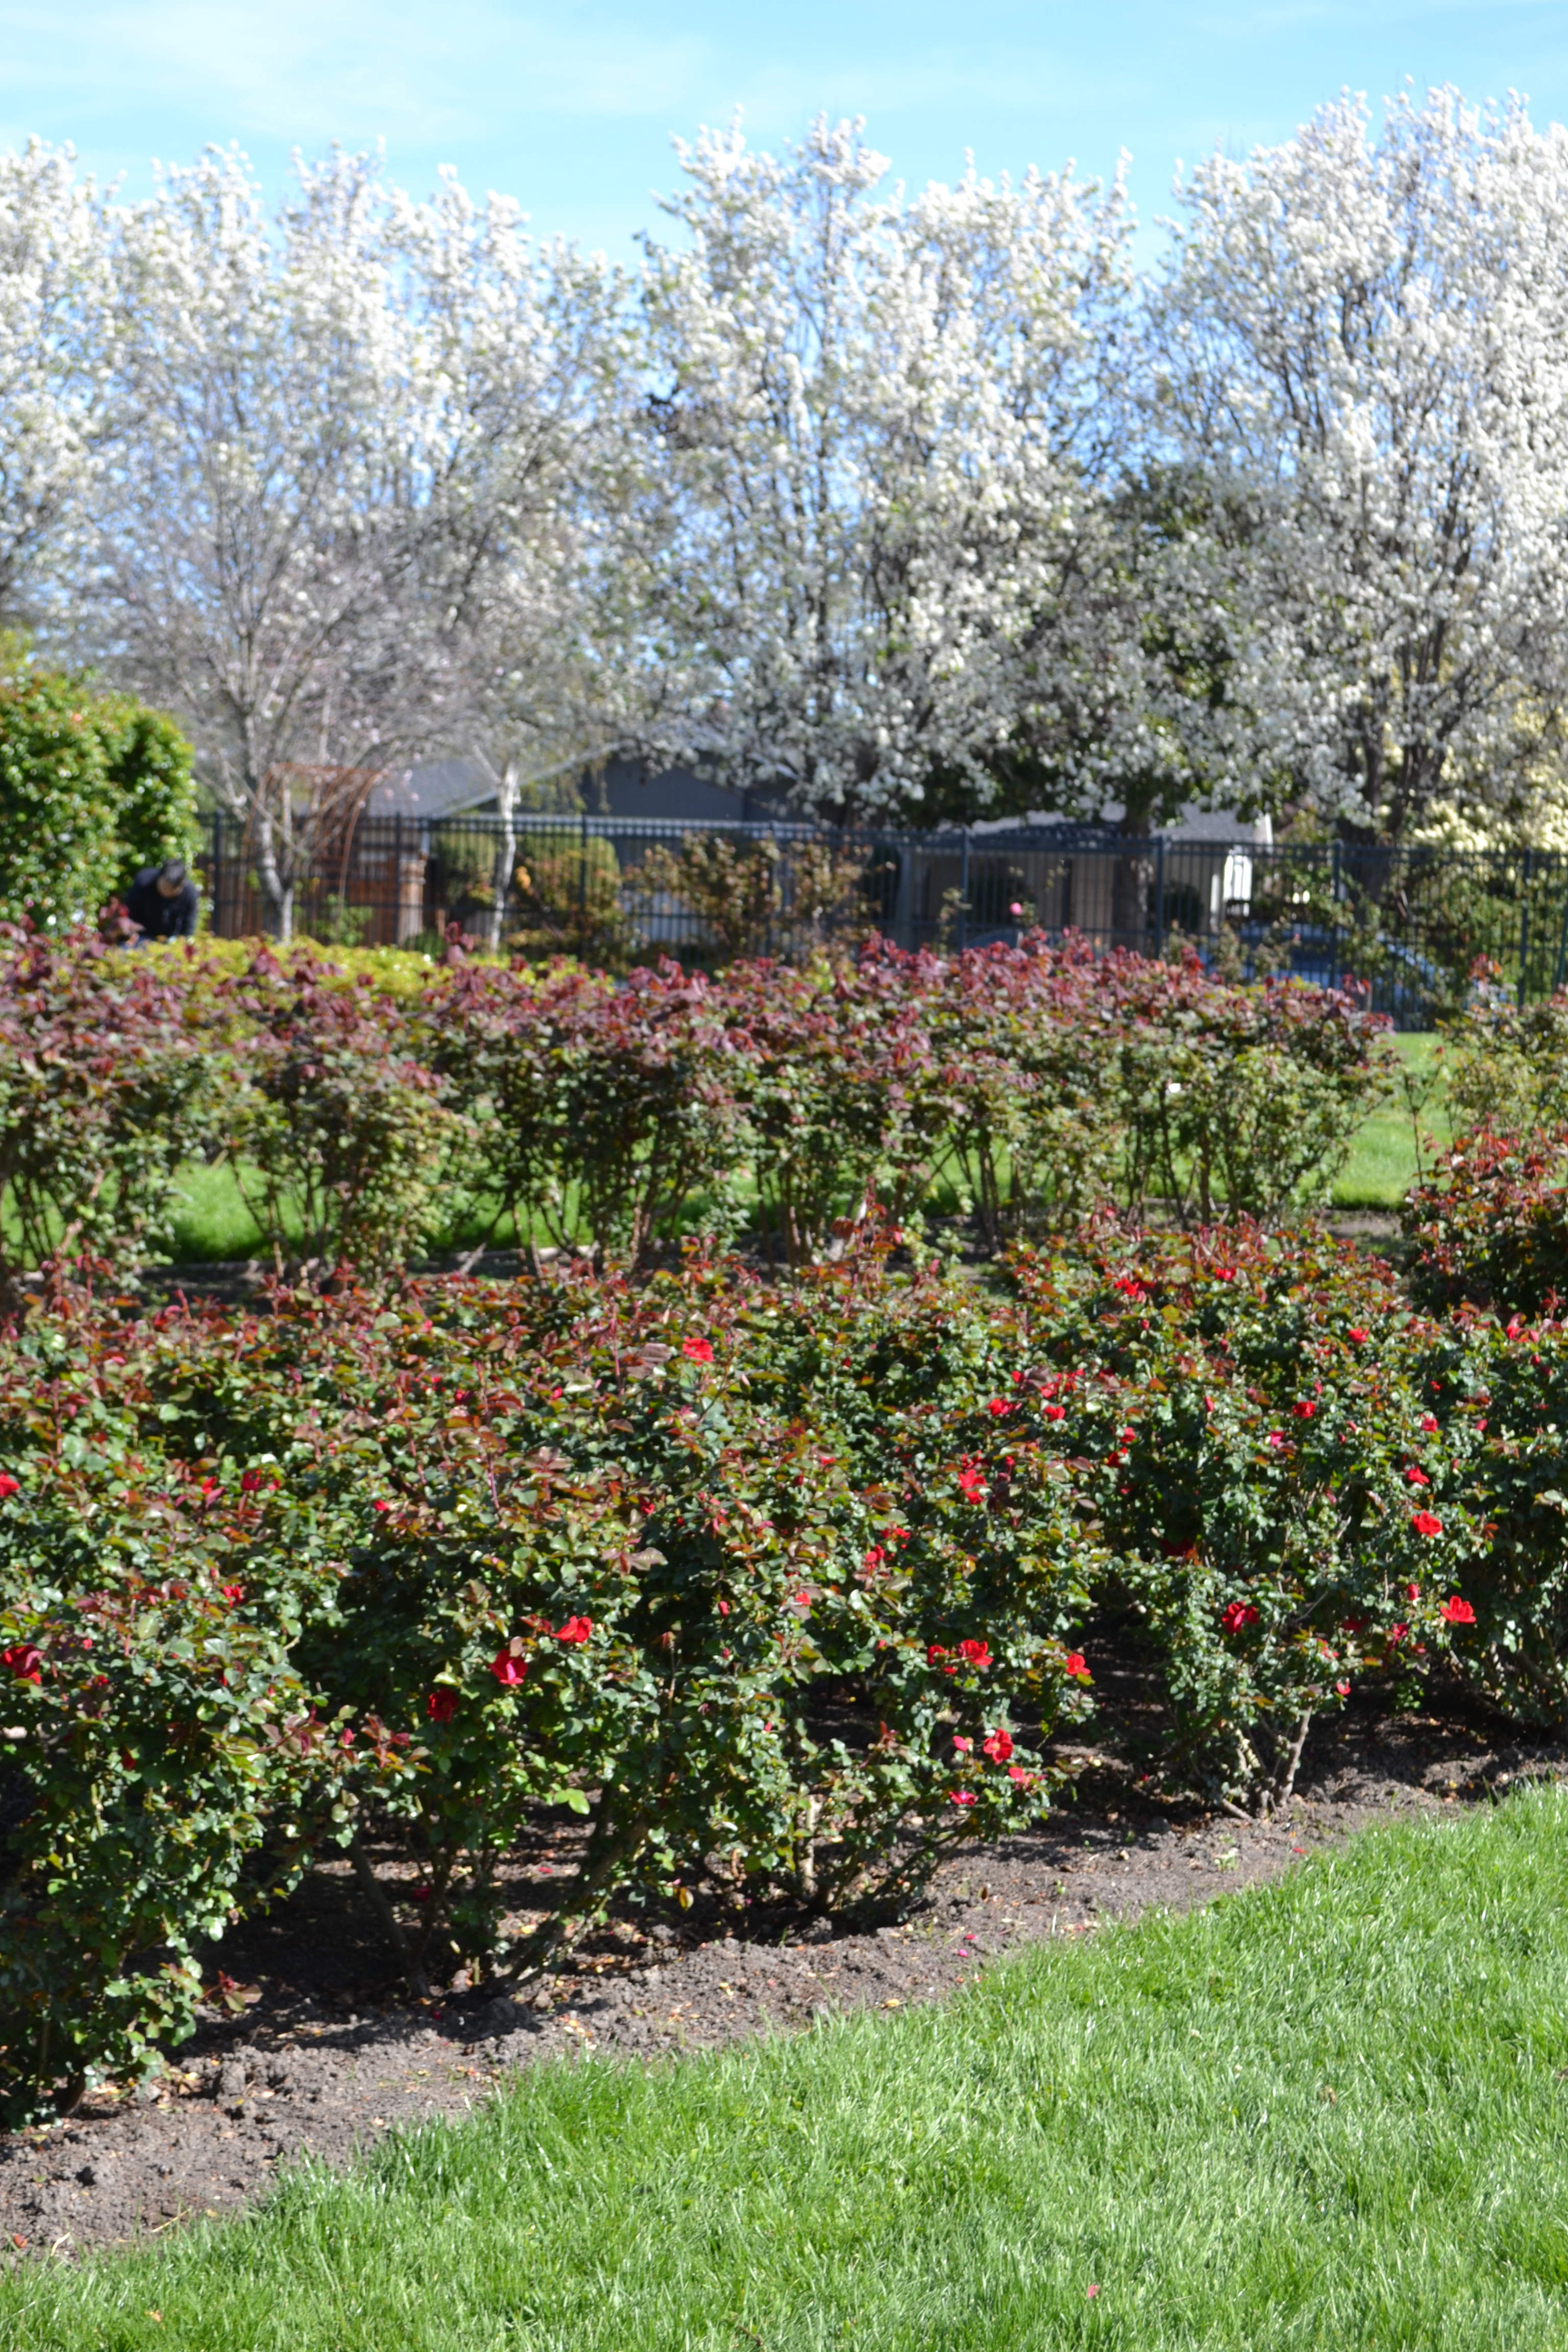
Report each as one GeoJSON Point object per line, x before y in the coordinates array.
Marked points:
{"type": "Point", "coordinates": [1425, 1524]}
{"type": "Point", "coordinates": [935, 1655]}
{"type": "Point", "coordinates": [998, 1746]}
{"type": "Point", "coordinates": [697, 1351]}
{"type": "Point", "coordinates": [250, 1482]}
{"type": "Point", "coordinates": [1055, 1412]}
{"type": "Point", "coordinates": [8, 1486]}
{"type": "Point", "coordinates": [441, 1705]}
{"type": "Point", "coordinates": [1275, 1437]}
{"type": "Point", "coordinates": [574, 1630]}
{"type": "Point", "coordinates": [1025, 1780]}
{"type": "Point", "coordinates": [1457, 1612]}
{"type": "Point", "coordinates": [1428, 1420]}
{"type": "Point", "coordinates": [999, 1405]}
{"type": "Point", "coordinates": [1343, 1689]}
{"type": "Point", "coordinates": [507, 1667]}
{"type": "Point", "coordinates": [962, 1795]}
{"type": "Point", "coordinates": [1304, 1407]}
{"type": "Point", "coordinates": [25, 1662]}
{"type": "Point", "coordinates": [1238, 1614]}
{"type": "Point", "coordinates": [974, 1653]}
{"type": "Point", "coordinates": [1358, 1334]}
{"type": "Point", "coordinates": [962, 1746]}
{"type": "Point", "coordinates": [1416, 1476]}
{"type": "Point", "coordinates": [972, 1484]}
{"type": "Point", "coordinates": [1076, 1667]}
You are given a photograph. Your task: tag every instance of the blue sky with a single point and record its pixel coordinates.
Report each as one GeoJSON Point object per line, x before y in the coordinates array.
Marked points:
{"type": "Point", "coordinates": [571, 108]}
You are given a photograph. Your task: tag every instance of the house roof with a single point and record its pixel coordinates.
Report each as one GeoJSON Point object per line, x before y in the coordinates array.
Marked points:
{"type": "Point", "coordinates": [432, 788]}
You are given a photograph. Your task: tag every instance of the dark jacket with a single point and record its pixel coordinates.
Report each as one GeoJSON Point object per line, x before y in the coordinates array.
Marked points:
{"type": "Point", "coordinates": [161, 917]}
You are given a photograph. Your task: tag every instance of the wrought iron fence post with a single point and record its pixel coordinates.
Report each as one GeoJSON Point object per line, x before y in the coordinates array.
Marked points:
{"type": "Point", "coordinates": [963, 894]}
{"type": "Point", "coordinates": [1159, 895]}
{"type": "Point", "coordinates": [1524, 925]}
{"type": "Point", "coordinates": [582, 879]}
{"type": "Point", "coordinates": [1334, 886]}
{"type": "Point", "coordinates": [1558, 976]}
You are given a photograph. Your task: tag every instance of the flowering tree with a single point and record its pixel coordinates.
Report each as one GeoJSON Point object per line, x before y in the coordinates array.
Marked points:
{"type": "Point", "coordinates": [254, 527]}
{"type": "Point", "coordinates": [51, 296]}
{"type": "Point", "coordinates": [896, 500]}
{"type": "Point", "coordinates": [335, 530]}
{"type": "Point", "coordinates": [871, 427]}
{"type": "Point", "coordinates": [1360, 341]}
{"type": "Point", "coordinates": [519, 359]}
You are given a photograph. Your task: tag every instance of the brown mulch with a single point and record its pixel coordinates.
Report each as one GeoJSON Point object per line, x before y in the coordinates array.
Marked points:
{"type": "Point", "coordinates": [330, 2054]}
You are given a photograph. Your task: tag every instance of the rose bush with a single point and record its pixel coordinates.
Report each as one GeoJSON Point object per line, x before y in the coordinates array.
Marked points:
{"type": "Point", "coordinates": [602, 1552]}
{"type": "Point", "coordinates": [421, 1566]}
{"type": "Point", "coordinates": [364, 1121]}
{"type": "Point", "coordinates": [344, 1146]}
{"type": "Point", "coordinates": [107, 1085]}
{"type": "Point", "coordinates": [785, 1590]}
{"type": "Point", "coordinates": [1491, 1224]}
{"type": "Point", "coordinates": [164, 1764]}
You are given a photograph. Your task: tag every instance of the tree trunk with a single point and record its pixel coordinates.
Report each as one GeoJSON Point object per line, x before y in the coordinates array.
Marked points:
{"type": "Point", "coordinates": [278, 887]}
{"type": "Point", "coordinates": [506, 857]}
{"type": "Point", "coordinates": [1130, 886]}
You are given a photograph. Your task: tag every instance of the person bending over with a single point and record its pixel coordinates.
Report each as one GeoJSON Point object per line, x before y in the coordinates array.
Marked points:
{"type": "Point", "coordinates": [162, 902]}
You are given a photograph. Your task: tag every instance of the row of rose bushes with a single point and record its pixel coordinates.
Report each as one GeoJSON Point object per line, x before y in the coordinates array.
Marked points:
{"type": "Point", "coordinates": [1027, 1083]}
{"type": "Point", "coordinates": [1489, 1225]}
{"type": "Point", "coordinates": [783, 1590]}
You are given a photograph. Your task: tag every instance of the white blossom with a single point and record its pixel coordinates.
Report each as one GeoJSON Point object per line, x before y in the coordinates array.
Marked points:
{"type": "Point", "coordinates": [1362, 342]}
{"type": "Point", "coordinates": [51, 352]}
{"type": "Point", "coordinates": [871, 425]}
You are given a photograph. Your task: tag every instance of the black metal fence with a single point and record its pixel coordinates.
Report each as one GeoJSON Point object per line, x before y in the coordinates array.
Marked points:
{"type": "Point", "coordinates": [1407, 924]}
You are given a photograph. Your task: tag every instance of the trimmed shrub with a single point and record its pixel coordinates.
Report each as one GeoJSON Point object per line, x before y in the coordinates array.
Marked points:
{"type": "Point", "coordinates": [92, 786]}
{"type": "Point", "coordinates": [848, 1105]}
{"type": "Point", "coordinates": [1257, 1419]}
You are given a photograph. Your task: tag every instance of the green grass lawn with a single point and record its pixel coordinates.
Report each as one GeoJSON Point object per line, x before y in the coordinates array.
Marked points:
{"type": "Point", "coordinates": [1381, 1167]}
{"type": "Point", "coordinates": [212, 1220]}
{"type": "Point", "coordinates": [1332, 2113]}
{"type": "Point", "coordinates": [212, 1223]}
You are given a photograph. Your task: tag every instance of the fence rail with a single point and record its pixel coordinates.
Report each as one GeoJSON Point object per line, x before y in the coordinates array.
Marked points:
{"type": "Point", "coordinates": [1406, 923]}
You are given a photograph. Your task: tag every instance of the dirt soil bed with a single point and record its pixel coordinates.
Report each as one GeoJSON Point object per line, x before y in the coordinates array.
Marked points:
{"type": "Point", "coordinates": [329, 2054]}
